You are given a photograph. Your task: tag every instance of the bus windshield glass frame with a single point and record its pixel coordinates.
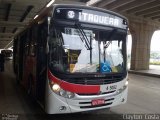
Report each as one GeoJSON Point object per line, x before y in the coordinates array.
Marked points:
{"type": "Point", "coordinates": [86, 40]}
{"type": "Point", "coordinates": [72, 50]}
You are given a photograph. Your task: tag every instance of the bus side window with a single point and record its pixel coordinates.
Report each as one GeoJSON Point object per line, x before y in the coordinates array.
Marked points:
{"type": "Point", "coordinates": [42, 38]}
{"type": "Point", "coordinates": [53, 44]}
{"type": "Point", "coordinates": [27, 43]}
{"type": "Point", "coordinates": [33, 50]}
{"type": "Point", "coordinates": [33, 44]}
{"type": "Point", "coordinates": [26, 50]}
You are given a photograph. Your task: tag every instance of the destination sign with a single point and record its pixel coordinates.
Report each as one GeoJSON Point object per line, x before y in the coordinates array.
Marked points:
{"type": "Point", "coordinates": [98, 19]}
{"type": "Point", "coordinates": [92, 16]}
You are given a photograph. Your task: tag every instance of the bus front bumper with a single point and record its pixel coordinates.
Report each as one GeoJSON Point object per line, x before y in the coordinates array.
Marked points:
{"type": "Point", "coordinates": [59, 105]}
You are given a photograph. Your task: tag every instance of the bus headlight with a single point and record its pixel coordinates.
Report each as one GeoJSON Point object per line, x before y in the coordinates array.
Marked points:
{"type": "Point", "coordinates": [126, 83]}
{"type": "Point", "coordinates": [56, 87]}
{"type": "Point", "coordinates": [58, 90]}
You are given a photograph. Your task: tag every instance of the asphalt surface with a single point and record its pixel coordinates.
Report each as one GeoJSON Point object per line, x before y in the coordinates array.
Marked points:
{"type": "Point", "coordinates": [143, 98]}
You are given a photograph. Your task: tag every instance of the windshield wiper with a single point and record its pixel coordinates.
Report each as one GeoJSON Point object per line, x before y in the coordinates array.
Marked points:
{"type": "Point", "coordinates": [107, 44]}
{"type": "Point", "coordinates": [88, 44]}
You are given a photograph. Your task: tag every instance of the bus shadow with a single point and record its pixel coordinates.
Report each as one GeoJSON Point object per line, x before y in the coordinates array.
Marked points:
{"type": "Point", "coordinates": [76, 116]}
{"type": "Point", "coordinates": [79, 116]}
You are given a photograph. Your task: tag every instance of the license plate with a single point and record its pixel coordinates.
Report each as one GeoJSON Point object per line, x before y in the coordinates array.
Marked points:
{"type": "Point", "coordinates": [98, 102]}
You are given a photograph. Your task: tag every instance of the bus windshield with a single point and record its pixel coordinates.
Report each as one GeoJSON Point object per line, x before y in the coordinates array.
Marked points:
{"type": "Point", "coordinates": [75, 50]}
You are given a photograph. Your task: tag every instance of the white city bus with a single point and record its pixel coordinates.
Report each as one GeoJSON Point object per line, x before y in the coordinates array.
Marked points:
{"type": "Point", "coordinates": [72, 58]}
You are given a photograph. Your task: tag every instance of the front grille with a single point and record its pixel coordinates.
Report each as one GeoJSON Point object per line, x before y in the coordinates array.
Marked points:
{"type": "Point", "coordinates": [96, 93]}
{"type": "Point", "coordinates": [90, 79]}
{"type": "Point", "coordinates": [96, 80]}
{"type": "Point", "coordinates": [96, 105]}
{"type": "Point", "coordinates": [90, 106]}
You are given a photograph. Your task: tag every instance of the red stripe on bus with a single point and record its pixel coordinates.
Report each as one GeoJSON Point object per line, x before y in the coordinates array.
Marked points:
{"type": "Point", "coordinates": [53, 78]}
{"type": "Point", "coordinates": [75, 88]}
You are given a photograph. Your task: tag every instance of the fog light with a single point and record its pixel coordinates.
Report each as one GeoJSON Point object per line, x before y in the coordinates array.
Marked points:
{"type": "Point", "coordinates": [62, 92]}
{"type": "Point", "coordinates": [123, 100]}
{"type": "Point", "coordinates": [119, 90]}
{"type": "Point", "coordinates": [70, 94]}
{"type": "Point", "coordinates": [62, 108]}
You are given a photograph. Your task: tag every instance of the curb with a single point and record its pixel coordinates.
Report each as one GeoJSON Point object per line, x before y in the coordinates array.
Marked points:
{"type": "Point", "coordinates": [144, 73]}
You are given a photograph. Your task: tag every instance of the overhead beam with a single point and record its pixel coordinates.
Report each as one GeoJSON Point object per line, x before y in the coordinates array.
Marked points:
{"type": "Point", "coordinates": [133, 5]}
{"type": "Point", "coordinates": [103, 3]}
{"type": "Point", "coordinates": [156, 17]}
{"type": "Point", "coordinates": [7, 14]}
{"type": "Point", "coordinates": [152, 14]}
{"type": "Point", "coordinates": [36, 2]}
{"type": "Point", "coordinates": [6, 34]}
{"type": "Point", "coordinates": [5, 42]}
{"type": "Point", "coordinates": [24, 2]}
{"type": "Point", "coordinates": [29, 8]}
{"type": "Point", "coordinates": [150, 10]}
{"type": "Point", "coordinates": [118, 3]}
{"type": "Point", "coordinates": [2, 46]}
{"type": "Point", "coordinates": [12, 24]}
{"type": "Point", "coordinates": [9, 44]}
{"type": "Point", "coordinates": [144, 7]}
{"type": "Point", "coordinates": [5, 39]}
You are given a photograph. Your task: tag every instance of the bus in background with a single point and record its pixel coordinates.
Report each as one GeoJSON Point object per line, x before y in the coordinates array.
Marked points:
{"type": "Point", "coordinates": [8, 54]}
{"type": "Point", "coordinates": [2, 60]}
{"type": "Point", "coordinates": [72, 58]}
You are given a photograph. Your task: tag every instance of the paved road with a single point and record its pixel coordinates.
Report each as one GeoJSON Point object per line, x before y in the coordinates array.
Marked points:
{"type": "Point", "coordinates": [144, 97]}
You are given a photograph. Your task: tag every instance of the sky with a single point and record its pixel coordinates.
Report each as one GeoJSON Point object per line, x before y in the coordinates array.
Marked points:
{"type": "Point", "coordinates": [155, 42]}
{"type": "Point", "coordinates": [129, 43]}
